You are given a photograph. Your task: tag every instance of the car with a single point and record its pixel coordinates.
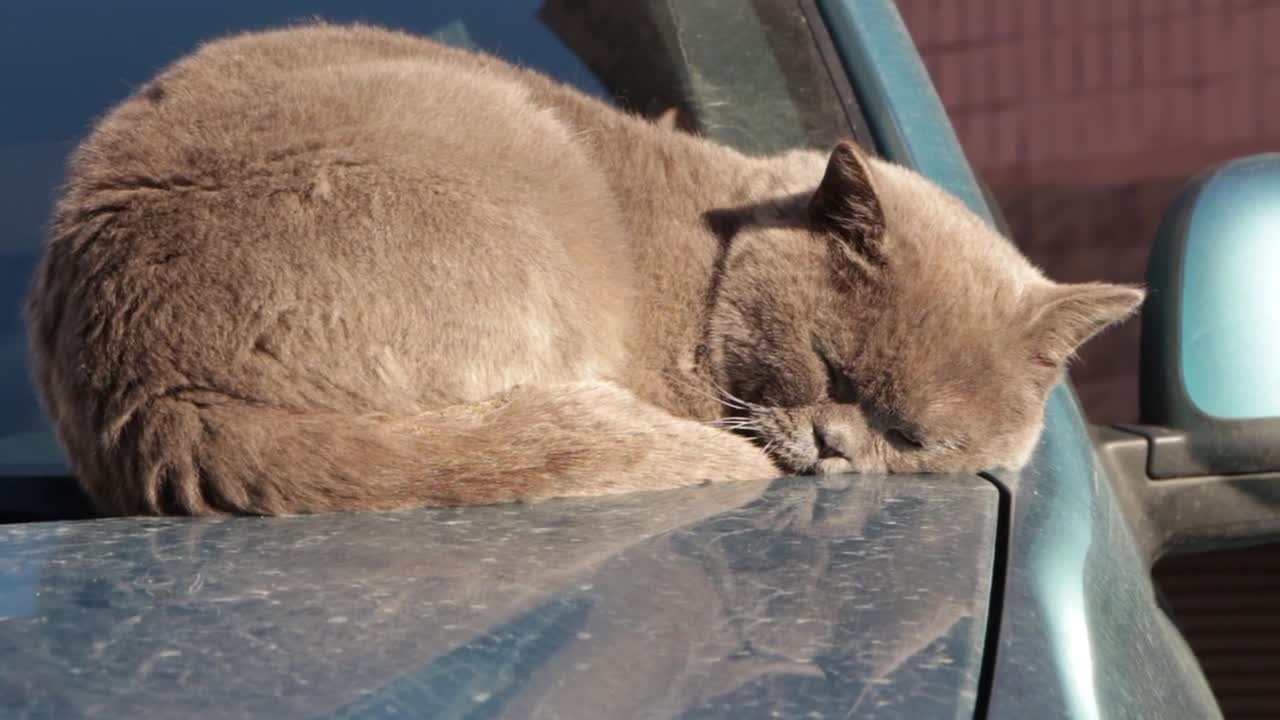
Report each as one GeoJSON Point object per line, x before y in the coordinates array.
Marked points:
{"type": "Point", "coordinates": [994, 595]}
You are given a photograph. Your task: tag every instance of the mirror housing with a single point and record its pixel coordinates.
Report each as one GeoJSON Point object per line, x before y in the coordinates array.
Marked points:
{"type": "Point", "coordinates": [1202, 470]}
{"type": "Point", "coordinates": [1211, 325]}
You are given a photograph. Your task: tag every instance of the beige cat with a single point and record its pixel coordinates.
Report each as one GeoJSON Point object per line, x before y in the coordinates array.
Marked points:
{"type": "Point", "coordinates": [336, 267]}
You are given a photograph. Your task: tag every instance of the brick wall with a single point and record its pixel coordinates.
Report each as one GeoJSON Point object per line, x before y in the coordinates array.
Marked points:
{"type": "Point", "coordinates": [1086, 116]}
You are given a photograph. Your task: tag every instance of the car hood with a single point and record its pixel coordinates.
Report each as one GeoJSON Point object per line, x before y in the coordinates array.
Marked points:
{"type": "Point", "coordinates": [799, 598]}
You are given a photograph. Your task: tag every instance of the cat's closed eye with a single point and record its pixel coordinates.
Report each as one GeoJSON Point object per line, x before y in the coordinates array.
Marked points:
{"type": "Point", "coordinates": [903, 438]}
{"type": "Point", "coordinates": [840, 388]}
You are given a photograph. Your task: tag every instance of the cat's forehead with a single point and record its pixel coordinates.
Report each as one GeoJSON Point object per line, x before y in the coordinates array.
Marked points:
{"type": "Point", "coordinates": [947, 263]}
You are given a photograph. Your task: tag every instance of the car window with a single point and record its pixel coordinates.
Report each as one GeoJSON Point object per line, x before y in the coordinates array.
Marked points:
{"type": "Point", "coordinates": [745, 73]}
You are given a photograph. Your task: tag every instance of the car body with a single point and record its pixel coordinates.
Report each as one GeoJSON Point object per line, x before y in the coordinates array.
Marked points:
{"type": "Point", "coordinates": [1000, 595]}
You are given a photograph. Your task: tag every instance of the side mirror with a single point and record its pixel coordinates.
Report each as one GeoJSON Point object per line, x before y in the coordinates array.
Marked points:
{"type": "Point", "coordinates": [1211, 333]}
{"type": "Point", "coordinates": [1204, 465]}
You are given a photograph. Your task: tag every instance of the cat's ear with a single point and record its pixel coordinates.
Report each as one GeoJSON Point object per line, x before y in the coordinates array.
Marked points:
{"type": "Point", "coordinates": [845, 202]}
{"type": "Point", "coordinates": [1069, 314]}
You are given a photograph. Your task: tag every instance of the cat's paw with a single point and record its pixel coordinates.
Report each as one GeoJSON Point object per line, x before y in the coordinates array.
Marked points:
{"type": "Point", "coordinates": [596, 437]}
{"type": "Point", "coordinates": [707, 454]}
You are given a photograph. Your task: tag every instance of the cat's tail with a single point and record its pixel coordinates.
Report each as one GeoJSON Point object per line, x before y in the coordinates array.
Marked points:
{"type": "Point", "coordinates": [178, 456]}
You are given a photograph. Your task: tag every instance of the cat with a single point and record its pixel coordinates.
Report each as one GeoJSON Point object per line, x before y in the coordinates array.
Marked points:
{"type": "Point", "coordinates": [341, 267]}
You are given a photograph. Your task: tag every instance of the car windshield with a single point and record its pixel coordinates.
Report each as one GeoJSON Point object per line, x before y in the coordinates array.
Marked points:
{"type": "Point", "coordinates": [746, 73]}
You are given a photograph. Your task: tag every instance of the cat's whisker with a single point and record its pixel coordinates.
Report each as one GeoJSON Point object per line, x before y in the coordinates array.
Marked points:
{"type": "Point", "coordinates": [734, 421]}
{"type": "Point", "coordinates": [723, 398]}
{"type": "Point", "coordinates": [744, 425]}
{"type": "Point", "coordinates": [733, 400]}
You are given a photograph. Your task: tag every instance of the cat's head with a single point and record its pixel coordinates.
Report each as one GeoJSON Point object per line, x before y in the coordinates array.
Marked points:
{"type": "Point", "coordinates": [878, 325]}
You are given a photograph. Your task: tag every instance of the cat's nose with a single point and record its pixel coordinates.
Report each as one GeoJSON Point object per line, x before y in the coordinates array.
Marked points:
{"type": "Point", "coordinates": [830, 442]}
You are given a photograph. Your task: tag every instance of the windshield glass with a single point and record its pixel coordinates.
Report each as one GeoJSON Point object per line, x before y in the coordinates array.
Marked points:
{"type": "Point", "coordinates": [745, 73]}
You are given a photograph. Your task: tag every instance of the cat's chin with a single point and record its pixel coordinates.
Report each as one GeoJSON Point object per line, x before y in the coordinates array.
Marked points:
{"type": "Point", "coordinates": [832, 466]}
{"type": "Point", "coordinates": [812, 465]}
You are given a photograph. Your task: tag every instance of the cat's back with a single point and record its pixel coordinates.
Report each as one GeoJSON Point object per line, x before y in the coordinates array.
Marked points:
{"type": "Point", "coordinates": [290, 210]}
{"type": "Point", "coordinates": [267, 103]}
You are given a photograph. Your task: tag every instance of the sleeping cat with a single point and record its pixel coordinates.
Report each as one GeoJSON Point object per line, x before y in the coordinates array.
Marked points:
{"type": "Point", "coordinates": [341, 267]}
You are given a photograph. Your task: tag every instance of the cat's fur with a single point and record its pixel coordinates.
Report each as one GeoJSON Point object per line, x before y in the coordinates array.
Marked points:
{"type": "Point", "coordinates": [337, 267]}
